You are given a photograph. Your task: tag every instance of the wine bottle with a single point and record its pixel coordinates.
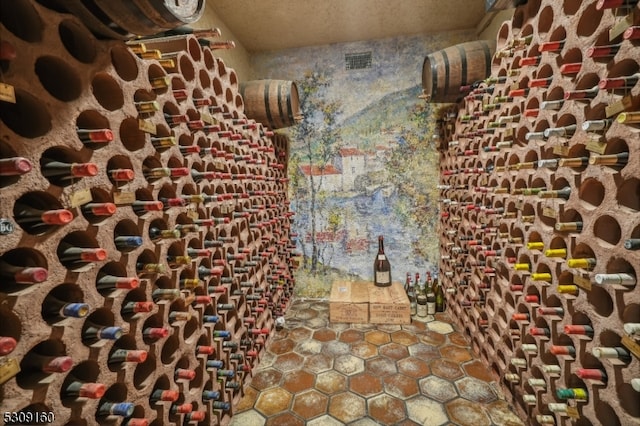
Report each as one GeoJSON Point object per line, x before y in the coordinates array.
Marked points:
{"type": "Point", "coordinates": [46, 364]}
{"type": "Point", "coordinates": [581, 330]}
{"type": "Point", "coordinates": [94, 332]}
{"type": "Point", "coordinates": [14, 166]}
{"type": "Point", "coordinates": [624, 83]}
{"type": "Point", "coordinates": [136, 307]}
{"type": "Point", "coordinates": [126, 355]}
{"type": "Point", "coordinates": [22, 274]}
{"type": "Point", "coordinates": [381, 266]}
{"type": "Point", "coordinates": [79, 389]}
{"type": "Point", "coordinates": [568, 226]}
{"type": "Point", "coordinates": [606, 51]}
{"type": "Point", "coordinates": [110, 282]}
{"type": "Point", "coordinates": [564, 131]}
{"type": "Point", "coordinates": [52, 307]}
{"type": "Point", "coordinates": [32, 218]}
{"type": "Point", "coordinates": [632, 244]}
{"type": "Point", "coordinates": [592, 374]}
{"type": "Point", "coordinates": [124, 242]}
{"type": "Point", "coordinates": [121, 409]}
{"type": "Point", "coordinates": [571, 68]}
{"type": "Point", "coordinates": [142, 207]}
{"type": "Point", "coordinates": [618, 279]}
{"type": "Point", "coordinates": [583, 94]}
{"type": "Point", "coordinates": [146, 107]}
{"type": "Point", "coordinates": [614, 4]}
{"type": "Point", "coordinates": [163, 395]}
{"type": "Point", "coordinates": [72, 254]}
{"type": "Point", "coordinates": [584, 263]}
{"type": "Point", "coordinates": [121, 175]}
{"type": "Point", "coordinates": [158, 234]}
{"type": "Point", "coordinates": [99, 209]}
{"type": "Point", "coordinates": [628, 117]}
{"type": "Point", "coordinates": [184, 374]}
{"type": "Point", "coordinates": [619, 352]}
{"type": "Point", "coordinates": [95, 135]}
{"type": "Point", "coordinates": [632, 33]}
{"type": "Point", "coordinates": [61, 171]}
{"type": "Point", "coordinates": [612, 160]}
{"type": "Point", "coordinates": [563, 193]}
{"type": "Point", "coordinates": [7, 345]}
{"type": "Point", "coordinates": [155, 333]}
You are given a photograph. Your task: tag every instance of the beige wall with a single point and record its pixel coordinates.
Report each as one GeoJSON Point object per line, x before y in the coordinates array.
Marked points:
{"type": "Point", "coordinates": [490, 25]}
{"type": "Point", "coordinates": [237, 58]}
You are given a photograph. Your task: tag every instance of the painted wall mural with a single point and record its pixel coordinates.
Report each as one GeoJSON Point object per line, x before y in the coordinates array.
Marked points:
{"type": "Point", "coordinates": [362, 161]}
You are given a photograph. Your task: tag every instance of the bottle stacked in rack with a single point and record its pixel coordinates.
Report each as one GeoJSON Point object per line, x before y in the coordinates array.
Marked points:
{"type": "Point", "coordinates": [145, 216]}
{"type": "Point", "coordinates": [540, 211]}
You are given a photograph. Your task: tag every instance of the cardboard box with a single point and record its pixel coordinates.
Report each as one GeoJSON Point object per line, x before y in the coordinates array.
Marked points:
{"type": "Point", "coordinates": [349, 302]}
{"type": "Point", "coordinates": [389, 305]}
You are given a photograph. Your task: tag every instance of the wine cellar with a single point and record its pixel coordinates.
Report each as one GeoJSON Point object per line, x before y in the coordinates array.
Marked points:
{"type": "Point", "coordinates": [147, 241]}
{"type": "Point", "coordinates": [540, 223]}
{"type": "Point", "coordinates": [151, 250]}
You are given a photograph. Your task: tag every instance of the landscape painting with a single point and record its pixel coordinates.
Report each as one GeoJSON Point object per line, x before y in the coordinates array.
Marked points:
{"type": "Point", "coordinates": [363, 162]}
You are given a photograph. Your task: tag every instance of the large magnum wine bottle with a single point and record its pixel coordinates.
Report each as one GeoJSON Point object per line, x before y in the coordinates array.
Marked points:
{"type": "Point", "coordinates": [381, 266]}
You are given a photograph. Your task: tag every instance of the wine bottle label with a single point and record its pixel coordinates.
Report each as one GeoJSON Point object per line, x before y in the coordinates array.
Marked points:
{"type": "Point", "coordinates": [383, 277]}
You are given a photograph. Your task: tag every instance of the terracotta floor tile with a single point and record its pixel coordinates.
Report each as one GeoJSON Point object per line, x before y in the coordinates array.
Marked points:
{"type": "Point", "coordinates": [265, 379]}
{"type": "Point", "coordinates": [285, 419]}
{"type": "Point", "coordinates": [289, 361]}
{"type": "Point", "coordinates": [318, 363]}
{"type": "Point", "coordinates": [310, 404]}
{"type": "Point", "coordinates": [433, 338]}
{"type": "Point", "coordinates": [424, 352]}
{"type": "Point", "coordinates": [387, 409]}
{"type": "Point", "coordinates": [299, 334]}
{"type": "Point", "coordinates": [298, 381]}
{"type": "Point", "coordinates": [248, 400]}
{"type": "Point", "coordinates": [377, 337]}
{"type": "Point", "coordinates": [324, 335]}
{"type": "Point", "coordinates": [347, 407]}
{"type": "Point", "coordinates": [351, 336]}
{"type": "Point", "coordinates": [364, 350]}
{"type": "Point", "coordinates": [480, 371]}
{"type": "Point", "coordinates": [281, 346]}
{"type": "Point", "coordinates": [446, 369]}
{"type": "Point", "coordinates": [455, 353]}
{"type": "Point", "coordinates": [475, 390]}
{"type": "Point", "coordinates": [413, 367]}
{"type": "Point", "coordinates": [314, 373]}
{"type": "Point", "coordinates": [501, 413]}
{"type": "Point", "coordinates": [401, 386]}
{"type": "Point", "coordinates": [427, 412]}
{"type": "Point", "coordinates": [273, 401]}
{"type": "Point", "coordinates": [381, 366]}
{"type": "Point", "coordinates": [458, 339]}
{"type": "Point", "coordinates": [437, 388]}
{"type": "Point", "coordinates": [365, 384]}
{"type": "Point", "coordinates": [403, 337]}
{"type": "Point", "coordinates": [394, 351]}
{"type": "Point", "coordinates": [467, 413]}
{"type": "Point", "coordinates": [348, 364]}
{"type": "Point", "coordinates": [331, 382]}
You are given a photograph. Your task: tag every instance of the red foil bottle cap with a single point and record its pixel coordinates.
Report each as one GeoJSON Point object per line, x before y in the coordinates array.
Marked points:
{"type": "Point", "coordinates": [7, 345]}
{"type": "Point", "coordinates": [92, 390]}
{"type": "Point", "coordinates": [123, 175]}
{"type": "Point", "coordinates": [138, 422]}
{"type": "Point", "coordinates": [59, 364]}
{"type": "Point", "coordinates": [198, 416]}
{"type": "Point", "coordinates": [127, 283]}
{"type": "Point", "coordinates": [179, 171]}
{"type": "Point", "coordinates": [104, 209]}
{"type": "Point", "coordinates": [84, 170]}
{"type": "Point", "coordinates": [170, 395]}
{"type": "Point", "coordinates": [143, 307]}
{"type": "Point", "coordinates": [93, 255]}
{"type": "Point", "coordinates": [31, 275]}
{"type": "Point", "coordinates": [185, 374]}
{"type": "Point", "coordinates": [57, 217]}
{"type": "Point", "coordinates": [137, 356]}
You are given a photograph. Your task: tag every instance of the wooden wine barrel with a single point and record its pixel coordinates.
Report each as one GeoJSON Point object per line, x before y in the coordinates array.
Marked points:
{"type": "Point", "coordinates": [274, 103]}
{"type": "Point", "coordinates": [444, 71]}
{"type": "Point", "coordinates": [126, 19]}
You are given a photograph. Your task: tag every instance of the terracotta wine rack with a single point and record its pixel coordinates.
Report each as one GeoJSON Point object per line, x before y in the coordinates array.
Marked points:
{"type": "Point", "coordinates": [540, 318]}
{"type": "Point", "coordinates": [172, 243]}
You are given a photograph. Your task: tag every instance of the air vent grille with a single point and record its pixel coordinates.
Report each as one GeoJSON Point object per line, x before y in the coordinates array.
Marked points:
{"type": "Point", "coordinates": [357, 61]}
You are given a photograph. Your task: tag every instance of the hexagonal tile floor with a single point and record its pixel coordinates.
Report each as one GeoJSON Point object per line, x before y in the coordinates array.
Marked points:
{"type": "Point", "coordinates": [319, 373]}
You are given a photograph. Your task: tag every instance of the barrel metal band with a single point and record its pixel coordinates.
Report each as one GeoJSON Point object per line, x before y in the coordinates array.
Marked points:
{"type": "Point", "coordinates": [445, 59]}
{"type": "Point", "coordinates": [289, 106]}
{"type": "Point", "coordinates": [487, 59]}
{"type": "Point", "coordinates": [280, 104]}
{"type": "Point", "coordinates": [434, 77]}
{"type": "Point", "coordinates": [267, 105]}
{"type": "Point", "coordinates": [463, 64]}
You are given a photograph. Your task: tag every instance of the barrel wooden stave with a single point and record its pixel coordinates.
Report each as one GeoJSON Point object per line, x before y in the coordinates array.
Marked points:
{"type": "Point", "coordinates": [274, 103]}
{"type": "Point", "coordinates": [444, 71]}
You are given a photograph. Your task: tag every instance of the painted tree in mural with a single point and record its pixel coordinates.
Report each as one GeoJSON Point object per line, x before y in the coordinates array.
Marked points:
{"type": "Point", "coordinates": [414, 169]}
{"type": "Point", "coordinates": [319, 134]}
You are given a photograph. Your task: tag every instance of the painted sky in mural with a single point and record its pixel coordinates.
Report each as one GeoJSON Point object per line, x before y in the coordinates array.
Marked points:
{"type": "Point", "coordinates": [374, 182]}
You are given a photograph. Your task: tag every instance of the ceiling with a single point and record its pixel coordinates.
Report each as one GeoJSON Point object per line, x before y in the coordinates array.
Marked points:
{"type": "Point", "coordinates": [263, 25]}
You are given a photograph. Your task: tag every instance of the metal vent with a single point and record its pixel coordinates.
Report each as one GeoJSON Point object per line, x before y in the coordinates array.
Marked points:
{"type": "Point", "coordinates": [357, 61]}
